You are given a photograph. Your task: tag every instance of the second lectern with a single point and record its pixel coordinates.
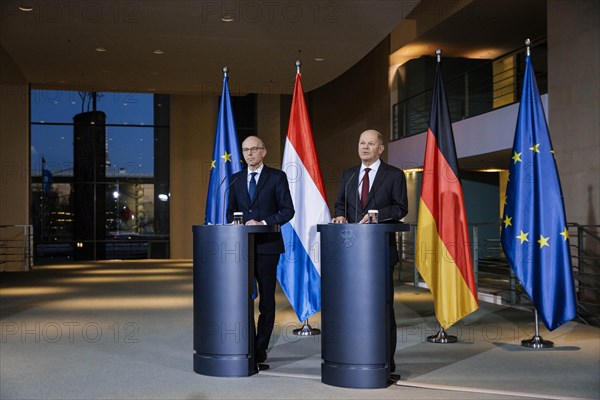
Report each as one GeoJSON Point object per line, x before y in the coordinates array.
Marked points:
{"type": "Point", "coordinates": [355, 303]}
{"type": "Point", "coordinates": [223, 307]}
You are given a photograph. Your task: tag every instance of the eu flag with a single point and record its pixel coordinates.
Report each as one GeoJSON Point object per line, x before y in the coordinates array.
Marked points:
{"type": "Point", "coordinates": [535, 238]}
{"type": "Point", "coordinates": [225, 161]}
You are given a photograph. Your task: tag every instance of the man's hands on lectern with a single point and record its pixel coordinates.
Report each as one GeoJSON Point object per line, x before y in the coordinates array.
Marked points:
{"type": "Point", "coordinates": [339, 220]}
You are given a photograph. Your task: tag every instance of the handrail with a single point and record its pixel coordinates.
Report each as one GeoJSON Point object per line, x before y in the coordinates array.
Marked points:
{"type": "Point", "coordinates": [411, 113]}
{"type": "Point", "coordinates": [19, 254]}
{"type": "Point", "coordinates": [496, 281]}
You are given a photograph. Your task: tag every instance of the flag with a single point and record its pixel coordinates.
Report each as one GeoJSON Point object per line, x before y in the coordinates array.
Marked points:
{"type": "Point", "coordinates": [47, 178]}
{"type": "Point", "coordinates": [225, 161]}
{"type": "Point", "coordinates": [299, 271]}
{"type": "Point", "coordinates": [534, 236]}
{"type": "Point", "coordinates": [443, 248]}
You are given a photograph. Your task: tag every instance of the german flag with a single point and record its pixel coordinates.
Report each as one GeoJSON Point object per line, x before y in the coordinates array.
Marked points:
{"type": "Point", "coordinates": [443, 248]}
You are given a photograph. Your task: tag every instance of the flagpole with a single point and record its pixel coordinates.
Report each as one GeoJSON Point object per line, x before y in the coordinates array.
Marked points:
{"type": "Point", "coordinates": [536, 342]}
{"type": "Point", "coordinates": [306, 329]}
{"type": "Point", "coordinates": [442, 336]}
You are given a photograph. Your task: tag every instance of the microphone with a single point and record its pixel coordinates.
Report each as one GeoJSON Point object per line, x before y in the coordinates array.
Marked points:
{"type": "Point", "coordinates": [346, 195]}
{"type": "Point", "coordinates": [225, 195]}
{"type": "Point", "coordinates": [356, 200]}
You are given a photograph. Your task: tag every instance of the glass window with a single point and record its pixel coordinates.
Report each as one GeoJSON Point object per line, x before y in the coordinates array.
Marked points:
{"type": "Point", "coordinates": [84, 209]}
{"type": "Point", "coordinates": [129, 151]}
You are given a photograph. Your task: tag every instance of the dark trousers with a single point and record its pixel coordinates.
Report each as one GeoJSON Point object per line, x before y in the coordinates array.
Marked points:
{"type": "Point", "coordinates": [392, 318]}
{"type": "Point", "coordinates": [266, 277]}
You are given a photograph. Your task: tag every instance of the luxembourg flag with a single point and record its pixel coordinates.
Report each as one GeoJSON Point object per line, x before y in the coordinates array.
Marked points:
{"type": "Point", "coordinates": [299, 270]}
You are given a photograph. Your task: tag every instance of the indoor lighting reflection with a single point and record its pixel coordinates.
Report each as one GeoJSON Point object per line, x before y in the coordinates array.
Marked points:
{"type": "Point", "coordinates": [110, 271]}
{"type": "Point", "coordinates": [31, 291]}
{"type": "Point", "coordinates": [121, 303]}
{"type": "Point", "coordinates": [106, 279]}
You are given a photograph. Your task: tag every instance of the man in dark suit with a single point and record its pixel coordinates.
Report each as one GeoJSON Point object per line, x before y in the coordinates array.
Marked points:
{"type": "Point", "coordinates": [374, 185]}
{"type": "Point", "coordinates": [263, 195]}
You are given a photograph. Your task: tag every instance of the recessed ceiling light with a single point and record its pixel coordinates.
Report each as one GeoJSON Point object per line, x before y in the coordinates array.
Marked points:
{"type": "Point", "coordinates": [227, 18]}
{"type": "Point", "coordinates": [158, 51]}
{"type": "Point", "coordinates": [101, 50]}
{"type": "Point", "coordinates": [319, 59]}
{"type": "Point", "coordinates": [26, 7]}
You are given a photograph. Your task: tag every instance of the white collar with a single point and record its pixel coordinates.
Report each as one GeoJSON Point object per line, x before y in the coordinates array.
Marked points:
{"type": "Point", "coordinates": [374, 166]}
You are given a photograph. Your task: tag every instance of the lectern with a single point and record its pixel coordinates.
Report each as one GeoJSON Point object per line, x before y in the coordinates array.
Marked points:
{"type": "Point", "coordinates": [355, 303]}
{"type": "Point", "coordinates": [223, 307]}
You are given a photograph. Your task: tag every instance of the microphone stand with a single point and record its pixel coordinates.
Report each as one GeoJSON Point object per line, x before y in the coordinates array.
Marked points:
{"type": "Point", "coordinates": [346, 195]}
{"type": "Point", "coordinates": [224, 196]}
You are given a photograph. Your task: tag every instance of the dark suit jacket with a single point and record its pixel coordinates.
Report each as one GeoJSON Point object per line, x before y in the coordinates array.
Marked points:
{"type": "Point", "coordinates": [272, 203]}
{"type": "Point", "coordinates": [388, 194]}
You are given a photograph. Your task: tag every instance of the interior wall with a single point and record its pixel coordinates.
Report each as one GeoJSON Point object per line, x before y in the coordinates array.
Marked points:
{"type": "Point", "coordinates": [574, 101]}
{"type": "Point", "coordinates": [341, 110]}
{"type": "Point", "coordinates": [268, 127]}
{"type": "Point", "coordinates": [14, 151]}
{"type": "Point", "coordinates": [193, 127]}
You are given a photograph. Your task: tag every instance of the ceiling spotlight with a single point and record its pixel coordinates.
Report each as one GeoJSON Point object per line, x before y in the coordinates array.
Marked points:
{"type": "Point", "coordinates": [101, 50]}
{"type": "Point", "coordinates": [227, 18]}
{"type": "Point", "coordinates": [319, 59]}
{"type": "Point", "coordinates": [158, 51]}
{"type": "Point", "coordinates": [26, 7]}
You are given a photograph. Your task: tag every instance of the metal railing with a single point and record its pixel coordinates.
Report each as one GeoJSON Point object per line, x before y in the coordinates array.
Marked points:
{"type": "Point", "coordinates": [16, 247]}
{"type": "Point", "coordinates": [478, 90]}
{"type": "Point", "coordinates": [496, 281]}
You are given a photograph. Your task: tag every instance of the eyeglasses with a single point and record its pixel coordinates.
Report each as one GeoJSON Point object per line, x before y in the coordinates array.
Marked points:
{"type": "Point", "coordinates": [251, 149]}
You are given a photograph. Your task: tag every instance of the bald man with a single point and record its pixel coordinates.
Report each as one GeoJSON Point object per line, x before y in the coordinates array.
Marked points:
{"type": "Point", "coordinates": [373, 185]}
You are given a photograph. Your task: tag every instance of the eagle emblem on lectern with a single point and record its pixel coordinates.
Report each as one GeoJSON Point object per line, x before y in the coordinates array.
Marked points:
{"type": "Point", "coordinates": [347, 238]}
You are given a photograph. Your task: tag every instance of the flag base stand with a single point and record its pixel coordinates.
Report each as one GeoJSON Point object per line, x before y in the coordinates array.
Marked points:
{"type": "Point", "coordinates": [442, 337]}
{"type": "Point", "coordinates": [537, 342]}
{"type": "Point", "coordinates": [307, 330]}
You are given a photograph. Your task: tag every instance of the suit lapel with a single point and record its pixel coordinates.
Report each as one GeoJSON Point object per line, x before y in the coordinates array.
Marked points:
{"type": "Point", "coordinates": [379, 179]}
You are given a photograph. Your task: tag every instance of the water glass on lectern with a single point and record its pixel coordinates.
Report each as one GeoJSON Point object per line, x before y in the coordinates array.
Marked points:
{"type": "Point", "coordinates": [238, 218]}
{"type": "Point", "coordinates": [373, 216]}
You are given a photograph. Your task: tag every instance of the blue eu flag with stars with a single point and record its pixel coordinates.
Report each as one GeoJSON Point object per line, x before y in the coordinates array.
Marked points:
{"type": "Point", "coordinates": [225, 161]}
{"type": "Point", "coordinates": [534, 230]}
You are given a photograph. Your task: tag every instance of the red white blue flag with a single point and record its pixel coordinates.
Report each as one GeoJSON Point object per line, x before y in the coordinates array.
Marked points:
{"type": "Point", "coordinates": [299, 270]}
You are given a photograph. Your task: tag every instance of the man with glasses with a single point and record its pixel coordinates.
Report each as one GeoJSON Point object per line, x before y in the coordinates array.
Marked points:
{"type": "Point", "coordinates": [263, 195]}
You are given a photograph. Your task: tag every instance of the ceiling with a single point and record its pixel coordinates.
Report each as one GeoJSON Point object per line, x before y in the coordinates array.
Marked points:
{"type": "Point", "coordinates": [54, 45]}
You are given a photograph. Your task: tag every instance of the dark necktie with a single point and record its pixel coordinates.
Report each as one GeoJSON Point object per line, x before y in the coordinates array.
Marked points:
{"type": "Point", "coordinates": [364, 193]}
{"type": "Point", "coordinates": [252, 186]}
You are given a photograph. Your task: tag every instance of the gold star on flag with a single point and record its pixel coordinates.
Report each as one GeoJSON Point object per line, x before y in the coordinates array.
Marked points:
{"type": "Point", "coordinates": [505, 199]}
{"type": "Point", "coordinates": [213, 164]}
{"type": "Point", "coordinates": [565, 233]}
{"type": "Point", "coordinates": [535, 148]}
{"type": "Point", "coordinates": [517, 157]}
{"type": "Point", "coordinates": [507, 221]}
{"type": "Point", "coordinates": [226, 156]}
{"type": "Point", "coordinates": [523, 237]}
{"type": "Point", "coordinates": [543, 241]}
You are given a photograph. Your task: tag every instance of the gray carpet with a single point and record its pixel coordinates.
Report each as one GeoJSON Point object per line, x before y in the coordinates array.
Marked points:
{"type": "Point", "coordinates": [123, 330]}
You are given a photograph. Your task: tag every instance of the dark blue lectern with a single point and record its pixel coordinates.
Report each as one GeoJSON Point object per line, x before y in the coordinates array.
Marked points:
{"type": "Point", "coordinates": [355, 303]}
{"type": "Point", "coordinates": [223, 307]}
